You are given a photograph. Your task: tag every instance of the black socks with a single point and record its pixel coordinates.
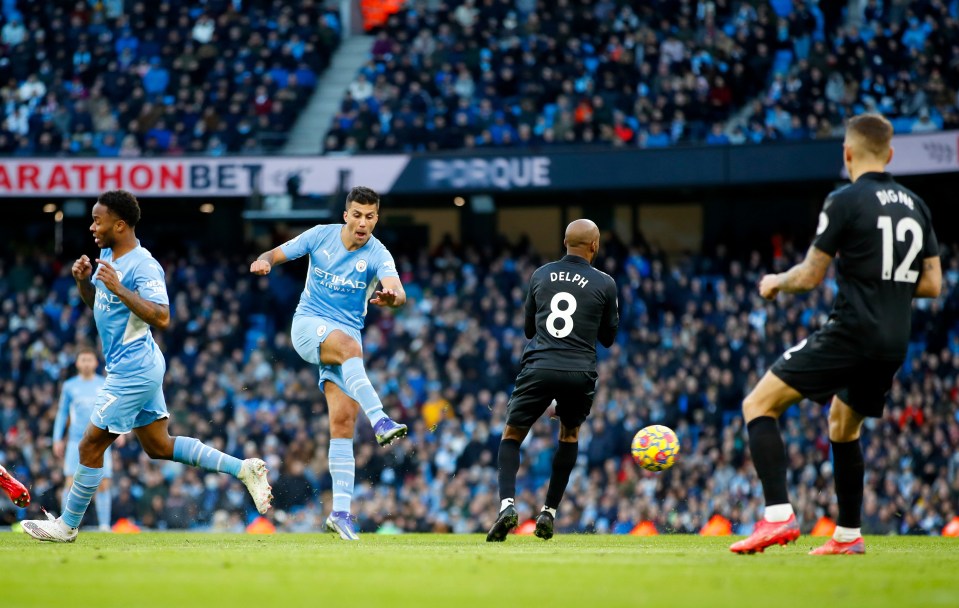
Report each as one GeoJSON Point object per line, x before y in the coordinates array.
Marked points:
{"type": "Point", "coordinates": [769, 457]}
{"type": "Point", "coordinates": [508, 466]}
{"type": "Point", "coordinates": [848, 472]}
{"type": "Point", "coordinates": [563, 462]}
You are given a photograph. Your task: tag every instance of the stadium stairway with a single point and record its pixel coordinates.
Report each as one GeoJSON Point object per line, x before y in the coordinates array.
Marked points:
{"type": "Point", "coordinates": [314, 121]}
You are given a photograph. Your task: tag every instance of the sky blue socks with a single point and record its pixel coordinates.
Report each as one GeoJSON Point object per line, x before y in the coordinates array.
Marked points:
{"type": "Point", "coordinates": [85, 484]}
{"type": "Point", "coordinates": [190, 451]}
{"type": "Point", "coordinates": [343, 471]}
{"type": "Point", "coordinates": [359, 388]}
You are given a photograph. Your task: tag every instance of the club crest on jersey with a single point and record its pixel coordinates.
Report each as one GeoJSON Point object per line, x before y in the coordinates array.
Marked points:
{"type": "Point", "coordinates": [320, 330]}
{"type": "Point", "coordinates": [823, 223]}
{"type": "Point", "coordinates": [361, 266]}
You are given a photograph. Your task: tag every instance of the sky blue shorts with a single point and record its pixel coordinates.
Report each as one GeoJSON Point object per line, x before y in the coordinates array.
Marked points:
{"type": "Point", "coordinates": [130, 401]}
{"type": "Point", "coordinates": [71, 460]}
{"type": "Point", "coordinates": [308, 333]}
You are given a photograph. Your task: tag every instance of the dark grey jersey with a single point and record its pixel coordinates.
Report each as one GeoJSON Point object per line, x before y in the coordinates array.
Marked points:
{"type": "Point", "coordinates": [881, 232]}
{"type": "Point", "coordinates": [570, 305]}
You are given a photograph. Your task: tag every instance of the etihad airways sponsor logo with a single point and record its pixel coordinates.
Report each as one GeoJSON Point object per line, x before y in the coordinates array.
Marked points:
{"type": "Point", "coordinates": [336, 282]}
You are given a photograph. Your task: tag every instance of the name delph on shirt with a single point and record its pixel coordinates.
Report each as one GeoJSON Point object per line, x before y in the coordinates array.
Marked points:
{"type": "Point", "coordinates": [569, 277]}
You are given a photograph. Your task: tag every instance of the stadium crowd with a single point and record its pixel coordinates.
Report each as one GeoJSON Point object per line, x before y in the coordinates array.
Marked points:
{"type": "Point", "coordinates": [123, 78]}
{"type": "Point", "coordinates": [694, 337]}
{"type": "Point", "coordinates": [115, 78]}
{"type": "Point", "coordinates": [528, 73]}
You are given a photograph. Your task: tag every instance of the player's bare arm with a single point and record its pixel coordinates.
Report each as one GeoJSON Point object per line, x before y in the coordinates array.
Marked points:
{"type": "Point", "coordinates": [267, 260]}
{"type": "Point", "coordinates": [800, 278]}
{"type": "Point", "coordinates": [392, 294]}
{"type": "Point", "coordinates": [82, 270]}
{"type": "Point", "coordinates": [930, 279]}
{"type": "Point", "coordinates": [155, 315]}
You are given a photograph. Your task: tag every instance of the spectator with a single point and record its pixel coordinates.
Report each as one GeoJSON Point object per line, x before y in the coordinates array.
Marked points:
{"type": "Point", "coordinates": [203, 29]}
{"type": "Point", "coordinates": [13, 33]}
{"type": "Point", "coordinates": [717, 137]}
{"type": "Point", "coordinates": [126, 67]}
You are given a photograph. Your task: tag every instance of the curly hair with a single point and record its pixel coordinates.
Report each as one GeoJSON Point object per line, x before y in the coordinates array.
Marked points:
{"type": "Point", "coordinates": [123, 204]}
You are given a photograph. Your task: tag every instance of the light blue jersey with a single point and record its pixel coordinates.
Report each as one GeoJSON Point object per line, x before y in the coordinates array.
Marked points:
{"type": "Point", "coordinates": [128, 345]}
{"type": "Point", "coordinates": [132, 395]}
{"type": "Point", "coordinates": [76, 403]}
{"type": "Point", "coordinates": [339, 282]}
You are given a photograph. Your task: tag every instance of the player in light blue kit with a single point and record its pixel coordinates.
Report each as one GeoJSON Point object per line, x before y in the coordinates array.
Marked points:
{"type": "Point", "coordinates": [77, 398]}
{"type": "Point", "coordinates": [128, 296]}
{"type": "Point", "coordinates": [346, 262]}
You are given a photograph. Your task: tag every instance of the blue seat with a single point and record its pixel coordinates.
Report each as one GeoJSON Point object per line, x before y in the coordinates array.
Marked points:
{"type": "Point", "coordinates": [782, 60]}
{"type": "Point", "coordinates": [782, 8]}
{"type": "Point", "coordinates": [902, 124]}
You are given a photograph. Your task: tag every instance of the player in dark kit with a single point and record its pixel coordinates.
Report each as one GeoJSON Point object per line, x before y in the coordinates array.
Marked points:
{"type": "Point", "coordinates": [887, 255]}
{"type": "Point", "coordinates": [569, 307]}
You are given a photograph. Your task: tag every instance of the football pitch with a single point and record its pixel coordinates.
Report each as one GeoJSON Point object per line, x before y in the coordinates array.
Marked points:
{"type": "Point", "coordinates": [176, 570]}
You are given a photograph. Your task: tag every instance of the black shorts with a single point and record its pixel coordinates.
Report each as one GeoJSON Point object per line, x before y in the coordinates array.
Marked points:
{"type": "Point", "coordinates": [537, 388]}
{"type": "Point", "coordinates": [822, 366]}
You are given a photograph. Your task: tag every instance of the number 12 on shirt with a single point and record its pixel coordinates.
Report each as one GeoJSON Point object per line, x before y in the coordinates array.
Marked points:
{"type": "Point", "coordinates": [905, 226]}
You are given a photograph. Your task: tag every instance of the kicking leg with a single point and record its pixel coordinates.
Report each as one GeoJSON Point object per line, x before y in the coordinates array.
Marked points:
{"type": "Point", "coordinates": [343, 411]}
{"type": "Point", "coordinates": [761, 410]}
{"type": "Point", "coordinates": [340, 349]}
{"type": "Point", "coordinates": [158, 444]}
{"type": "Point", "coordinates": [508, 463]}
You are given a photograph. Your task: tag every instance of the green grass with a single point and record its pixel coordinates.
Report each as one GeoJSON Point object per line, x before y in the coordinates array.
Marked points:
{"type": "Point", "coordinates": [177, 570]}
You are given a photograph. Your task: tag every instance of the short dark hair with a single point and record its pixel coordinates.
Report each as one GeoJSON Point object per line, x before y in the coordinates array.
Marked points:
{"type": "Point", "coordinates": [875, 132]}
{"type": "Point", "coordinates": [363, 196]}
{"type": "Point", "coordinates": [123, 204]}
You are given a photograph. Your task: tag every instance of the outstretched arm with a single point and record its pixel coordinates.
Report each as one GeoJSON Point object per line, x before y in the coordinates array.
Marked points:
{"type": "Point", "coordinates": [267, 260]}
{"type": "Point", "coordinates": [392, 294]}
{"type": "Point", "coordinates": [930, 280]}
{"type": "Point", "coordinates": [800, 278]}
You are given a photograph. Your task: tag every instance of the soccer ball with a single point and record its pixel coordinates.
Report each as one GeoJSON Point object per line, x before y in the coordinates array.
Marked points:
{"type": "Point", "coordinates": [655, 447]}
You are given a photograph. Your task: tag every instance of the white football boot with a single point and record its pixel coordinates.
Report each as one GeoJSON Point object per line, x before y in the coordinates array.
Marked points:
{"type": "Point", "coordinates": [253, 475]}
{"type": "Point", "coordinates": [53, 530]}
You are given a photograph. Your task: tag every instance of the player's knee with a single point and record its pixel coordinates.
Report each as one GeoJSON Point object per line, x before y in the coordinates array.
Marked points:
{"type": "Point", "coordinates": [89, 450]}
{"type": "Point", "coordinates": [338, 348]}
{"type": "Point", "coordinates": [752, 407]}
{"type": "Point", "coordinates": [841, 430]}
{"type": "Point", "coordinates": [349, 349]}
{"type": "Point", "coordinates": [342, 423]}
{"type": "Point", "coordinates": [515, 433]}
